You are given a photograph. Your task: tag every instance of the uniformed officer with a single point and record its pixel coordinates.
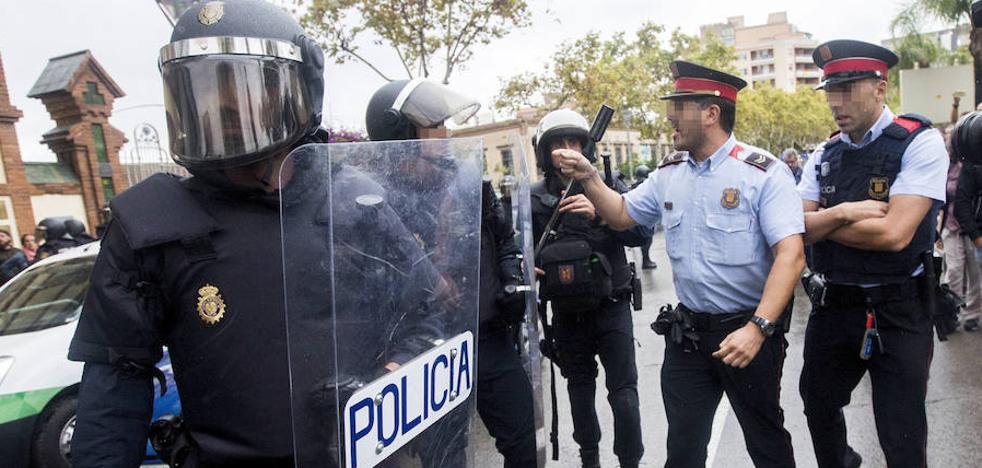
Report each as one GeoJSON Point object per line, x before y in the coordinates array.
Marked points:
{"type": "Point", "coordinates": [504, 391]}
{"type": "Point", "coordinates": [732, 228]}
{"type": "Point", "coordinates": [195, 264]}
{"type": "Point", "coordinates": [870, 195]}
{"type": "Point", "coordinates": [592, 315]}
{"type": "Point", "coordinates": [640, 175]}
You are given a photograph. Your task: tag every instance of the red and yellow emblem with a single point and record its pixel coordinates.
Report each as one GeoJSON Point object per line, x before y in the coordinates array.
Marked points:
{"type": "Point", "coordinates": [566, 275]}
{"type": "Point", "coordinates": [211, 306]}
{"type": "Point", "coordinates": [879, 188]}
{"type": "Point", "coordinates": [730, 198]}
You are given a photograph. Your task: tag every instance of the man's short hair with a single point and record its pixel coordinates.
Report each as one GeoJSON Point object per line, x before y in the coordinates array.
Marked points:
{"type": "Point", "coordinates": [6, 232]}
{"type": "Point", "coordinates": [788, 152]}
{"type": "Point", "coordinates": [727, 111]}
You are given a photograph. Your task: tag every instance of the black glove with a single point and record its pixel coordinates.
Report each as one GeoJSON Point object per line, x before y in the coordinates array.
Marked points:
{"type": "Point", "coordinates": [511, 303]}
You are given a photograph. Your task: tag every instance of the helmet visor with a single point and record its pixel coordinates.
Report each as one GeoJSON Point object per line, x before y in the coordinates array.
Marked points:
{"type": "Point", "coordinates": [428, 104]}
{"type": "Point", "coordinates": [228, 110]}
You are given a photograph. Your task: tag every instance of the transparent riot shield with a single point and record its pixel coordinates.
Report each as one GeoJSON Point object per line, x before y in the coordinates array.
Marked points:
{"type": "Point", "coordinates": [381, 256]}
{"type": "Point", "coordinates": [518, 196]}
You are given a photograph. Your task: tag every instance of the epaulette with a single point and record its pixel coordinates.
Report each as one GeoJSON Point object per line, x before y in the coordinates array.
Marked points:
{"type": "Point", "coordinates": [835, 135]}
{"type": "Point", "coordinates": [759, 160]}
{"type": "Point", "coordinates": [671, 159]}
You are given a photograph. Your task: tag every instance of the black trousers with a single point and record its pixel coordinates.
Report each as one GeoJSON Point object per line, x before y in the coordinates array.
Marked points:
{"type": "Point", "coordinates": [693, 383]}
{"type": "Point", "coordinates": [608, 333]}
{"type": "Point", "coordinates": [504, 398]}
{"type": "Point", "coordinates": [899, 376]}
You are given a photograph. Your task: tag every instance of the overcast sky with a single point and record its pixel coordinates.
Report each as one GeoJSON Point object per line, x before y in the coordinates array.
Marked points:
{"type": "Point", "coordinates": [126, 35]}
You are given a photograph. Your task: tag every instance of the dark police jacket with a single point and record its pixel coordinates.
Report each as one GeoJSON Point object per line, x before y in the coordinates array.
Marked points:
{"type": "Point", "coordinates": [545, 198]}
{"type": "Point", "coordinates": [197, 269]}
{"type": "Point", "coordinates": [848, 175]}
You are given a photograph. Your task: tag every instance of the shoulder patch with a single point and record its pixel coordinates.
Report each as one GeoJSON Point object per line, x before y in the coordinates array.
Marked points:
{"type": "Point", "coordinates": [924, 121]}
{"type": "Point", "coordinates": [673, 158]}
{"type": "Point", "coordinates": [908, 124]}
{"type": "Point", "coordinates": [759, 160]}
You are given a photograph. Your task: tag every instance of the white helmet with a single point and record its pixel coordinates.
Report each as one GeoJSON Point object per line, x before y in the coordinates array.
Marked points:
{"type": "Point", "coordinates": [556, 124]}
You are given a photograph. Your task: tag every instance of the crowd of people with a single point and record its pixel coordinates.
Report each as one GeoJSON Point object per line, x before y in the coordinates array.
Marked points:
{"type": "Point", "coordinates": [179, 266]}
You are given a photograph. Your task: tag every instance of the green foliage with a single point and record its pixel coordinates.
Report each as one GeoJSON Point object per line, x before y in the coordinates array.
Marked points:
{"type": "Point", "coordinates": [627, 73]}
{"type": "Point", "coordinates": [775, 120]}
{"type": "Point", "coordinates": [421, 32]}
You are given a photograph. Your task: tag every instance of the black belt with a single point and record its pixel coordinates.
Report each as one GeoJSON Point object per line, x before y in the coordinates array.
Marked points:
{"type": "Point", "coordinates": [849, 294]}
{"type": "Point", "coordinates": [705, 322]}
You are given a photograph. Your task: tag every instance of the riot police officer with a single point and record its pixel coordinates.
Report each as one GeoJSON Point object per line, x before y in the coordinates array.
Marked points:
{"type": "Point", "coordinates": [504, 392]}
{"type": "Point", "coordinates": [733, 233]}
{"type": "Point", "coordinates": [640, 175]}
{"type": "Point", "coordinates": [591, 314]}
{"type": "Point", "coordinates": [870, 194]}
{"type": "Point", "coordinates": [181, 263]}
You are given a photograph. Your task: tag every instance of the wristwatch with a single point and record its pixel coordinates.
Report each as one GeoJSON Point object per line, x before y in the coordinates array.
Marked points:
{"type": "Point", "coordinates": [766, 326]}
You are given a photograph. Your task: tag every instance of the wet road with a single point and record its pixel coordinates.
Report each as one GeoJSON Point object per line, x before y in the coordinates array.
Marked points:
{"type": "Point", "coordinates": [954, 399]}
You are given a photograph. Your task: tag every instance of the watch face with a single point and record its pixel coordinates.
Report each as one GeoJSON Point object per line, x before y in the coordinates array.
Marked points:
{"type": "Point", "coordinates": [765, 326]}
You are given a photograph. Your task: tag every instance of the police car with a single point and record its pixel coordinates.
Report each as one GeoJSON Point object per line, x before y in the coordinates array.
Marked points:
{"type": "Point", "coordinates": [39, 310]}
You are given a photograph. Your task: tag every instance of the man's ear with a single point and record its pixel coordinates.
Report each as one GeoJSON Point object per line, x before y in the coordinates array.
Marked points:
{"type": "Point", "coordinates": [711, 115]}
{"type": "Point", "coordinates": [881, 90]}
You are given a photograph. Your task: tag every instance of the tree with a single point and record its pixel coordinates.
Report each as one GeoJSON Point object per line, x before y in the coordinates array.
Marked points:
{"type": "Point", "coordinates": [423, 33]}
{"type": "Point", "coordinates": [775, 120]}
{"type": "Point", "coordinates": [626, 73]}
{"type": "Point", "coordinates": [953, 12]}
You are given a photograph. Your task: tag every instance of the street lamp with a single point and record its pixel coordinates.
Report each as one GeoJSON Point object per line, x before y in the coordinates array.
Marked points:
{"type": "Point", "coordinates": [173, 9]}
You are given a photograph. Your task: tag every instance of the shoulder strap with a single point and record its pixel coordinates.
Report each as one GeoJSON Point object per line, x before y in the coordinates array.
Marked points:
{"type": "Point", "coordinates": [756, 159]}
{"type": "Point", "coordinates": [672, 159]}
{"type": "Point", "coordinates": [159, 210]}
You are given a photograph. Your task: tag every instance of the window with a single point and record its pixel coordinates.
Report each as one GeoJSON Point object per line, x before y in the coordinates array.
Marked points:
{"type": "Point", "coordinates": [108, 192]}
{"type": "Point", "coordinates": [45, 297]}
{"type": "Point", "coordinates": [7, 221]}
{"type": "Point", "coordinates": [619, 154]}
{"type": "Point", "coordinates": [506, 159]}
{"type": "Point", "coordinates": [92, 95]}
{"type": "Point", "coordinates": [99, 139]}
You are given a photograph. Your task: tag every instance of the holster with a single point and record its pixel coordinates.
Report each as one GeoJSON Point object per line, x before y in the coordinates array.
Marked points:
{"type": "Point", "coordinates": [676, 326]}
{"type": "Point", "coordinates": [172, 442]}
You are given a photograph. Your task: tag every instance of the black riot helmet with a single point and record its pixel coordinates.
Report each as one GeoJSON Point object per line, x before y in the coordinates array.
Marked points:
{"type": "Point", "coordinates": [74, 227]}
{"type": "Point", "coordinates": [399, 108]}
{"type": "Point", "coordinates": [641, 172]}
{"type": "Point", "coordinates": [242, 82]}
{"type": "Point", "coordinates": [52, 228]}
{"type": "Point", "coordinates": [966, 138]}
{"type": "Point", "coordinates": [557, 124]}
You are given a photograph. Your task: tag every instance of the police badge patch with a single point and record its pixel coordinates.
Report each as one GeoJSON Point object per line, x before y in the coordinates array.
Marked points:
{"type": "Point", "coordinates": [566, 275]}
{"type": "Point", "coordinates": [211, 13]}
{"type": "Point", "coordinates": [211, 307]}
{"type": "Point", "coordinates": [879, 188]}
{"type": "Point", "coordinates": [730, 198]}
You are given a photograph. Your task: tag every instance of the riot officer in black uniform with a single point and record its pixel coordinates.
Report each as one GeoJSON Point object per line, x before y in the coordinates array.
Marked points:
{"type": "Point", "coordinates": [196, 264]}
{"type": "Point", "coordinates": [56, 238]}
{"type": "Point", "coordinates": [640, 175]}
{"type": "Point", "coordinates": [870, 194]}
{"type": "Point", "coordinates": [591, 315]}
{"type": "Point", "coordinates": [504, 391]}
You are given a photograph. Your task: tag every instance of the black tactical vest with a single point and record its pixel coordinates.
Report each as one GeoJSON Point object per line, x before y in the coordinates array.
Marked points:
{"type": "Point", "coordinates": [848, 175]}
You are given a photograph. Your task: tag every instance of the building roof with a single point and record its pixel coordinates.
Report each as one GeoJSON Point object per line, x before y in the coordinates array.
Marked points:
{"type": "Point", "coordinates": [49, 173]}
{"type": "Point", "coordinates": [60, 73]}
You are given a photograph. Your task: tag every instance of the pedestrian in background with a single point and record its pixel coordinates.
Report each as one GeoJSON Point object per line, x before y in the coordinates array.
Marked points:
{"type": "Point", "coordinates": [29, 245]}
{"type": "Point", "coordinates": [791, 158]}
{"type": "Point", "coordinates": [962, 273]}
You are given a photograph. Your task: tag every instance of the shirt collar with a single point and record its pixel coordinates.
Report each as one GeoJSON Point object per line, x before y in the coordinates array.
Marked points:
{"type": "Point", "coordinates": [717, 157]}
{"type": "Point", "coordinates": [886, 118]}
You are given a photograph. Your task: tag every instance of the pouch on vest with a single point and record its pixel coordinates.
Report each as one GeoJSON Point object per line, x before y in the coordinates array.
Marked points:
{"type": "Point", "coordinates": [577, 278]}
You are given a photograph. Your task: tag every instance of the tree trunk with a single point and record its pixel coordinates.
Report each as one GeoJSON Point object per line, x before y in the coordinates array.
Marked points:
{"type": "Point", "coordinates": [975, 47]}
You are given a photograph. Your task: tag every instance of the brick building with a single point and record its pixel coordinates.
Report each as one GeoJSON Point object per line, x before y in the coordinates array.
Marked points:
{"type": "Point", "coordinates": [78, 94]}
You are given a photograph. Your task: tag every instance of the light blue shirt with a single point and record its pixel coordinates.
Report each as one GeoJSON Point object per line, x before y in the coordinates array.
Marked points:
{"type": "Point", "coordinates": [721, 219]}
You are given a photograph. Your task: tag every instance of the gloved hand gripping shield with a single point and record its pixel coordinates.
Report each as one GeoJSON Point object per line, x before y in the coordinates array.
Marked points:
{"type": "Point", "coordinates": [381, 255]}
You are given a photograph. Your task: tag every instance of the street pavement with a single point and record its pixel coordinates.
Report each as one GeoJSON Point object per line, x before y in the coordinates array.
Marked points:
{"type": "Point", "coordinates": [954, 398]}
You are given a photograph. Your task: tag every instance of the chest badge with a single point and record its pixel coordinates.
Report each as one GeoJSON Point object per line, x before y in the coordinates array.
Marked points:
{"type": "Point", "coordinates": [730, 198]}
{"type": "Point", "coordinates": [879, 188]}
{"type": "Point", "coordinates": [211, 307]}
{"type": "Point", "coordinates": [825, 169]}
